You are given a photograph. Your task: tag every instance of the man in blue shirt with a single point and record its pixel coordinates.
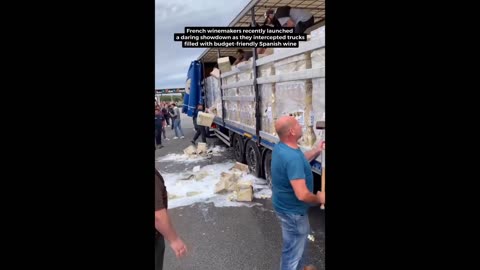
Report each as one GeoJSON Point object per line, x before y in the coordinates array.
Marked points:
{"type": "Point", "coordinates": [292, 190]}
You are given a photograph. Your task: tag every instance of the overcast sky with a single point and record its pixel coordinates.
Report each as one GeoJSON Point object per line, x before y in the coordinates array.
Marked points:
{"type": "Point", "coordinates": [171, 16]}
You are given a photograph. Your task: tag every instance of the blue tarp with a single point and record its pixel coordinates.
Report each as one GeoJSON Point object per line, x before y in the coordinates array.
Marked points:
{"type": "Point", "coordinates": [193, 88]}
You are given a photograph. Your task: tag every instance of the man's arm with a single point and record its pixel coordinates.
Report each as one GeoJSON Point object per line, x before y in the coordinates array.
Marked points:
{"type": "Point", "coordinates": [312, 154]}
{"type": "Point", "coordinates": [304, 195]}
{"type": "Point", "coordinates": [164, 226]}
{"type": "Point", "coordinates": [162, 219]}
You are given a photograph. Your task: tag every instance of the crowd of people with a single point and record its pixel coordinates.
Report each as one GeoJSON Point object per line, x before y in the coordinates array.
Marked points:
{"type": "Point", "coordinates": [168, 115]}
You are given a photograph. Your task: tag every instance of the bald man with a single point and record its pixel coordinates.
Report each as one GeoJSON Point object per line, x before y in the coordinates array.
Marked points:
{"type": "Point", "coordinates": [292, 191]}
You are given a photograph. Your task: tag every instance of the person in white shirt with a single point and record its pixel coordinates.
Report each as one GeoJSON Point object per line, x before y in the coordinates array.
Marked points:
{"type": "Point", "coordinates": [301, 19]}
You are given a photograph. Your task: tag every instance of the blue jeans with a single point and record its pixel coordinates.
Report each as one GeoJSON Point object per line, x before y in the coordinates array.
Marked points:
{"type": "Point", "coordinates": [295, 229]}
{"type": "Point", "coordinates": [177, 127]}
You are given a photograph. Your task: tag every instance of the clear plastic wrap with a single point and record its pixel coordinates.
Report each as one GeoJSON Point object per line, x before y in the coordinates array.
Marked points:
{"type": "Point", "coordinates": [247, 113]}
{"type": "Point", "coordinates": [213, 93]}
{"type": "Point", "coordinates": [294, 98]}
{"type": "Point", "coordinates": [219, 111]}
{"type": "Point", "coordinates": [231, 92]}
{"type": "Point", "coordinates": [232, 110]}
{"type": "Point", "coordinates": [293, 63]}
{"type": "Point", "coordinates": [318, 58]}
{"type": "Point", "coordinates": [318, 88]}
{"type": "Point", "coordinates": [318, 101]}
{"type": "Point", "coordinates": [246, 91]}
{"type": "Point", "coordinates": [266, 70]}
{"type": "Point", "coordinates": [245, 76]}
{"type": "Point", "coordinates": [267, 95]}
{"type": "Point", "coordinates": [318, 34]}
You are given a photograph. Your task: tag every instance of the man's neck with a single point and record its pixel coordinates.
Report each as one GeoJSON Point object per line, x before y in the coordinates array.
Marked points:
{"type": "Point", "coordinates": [291, 143]}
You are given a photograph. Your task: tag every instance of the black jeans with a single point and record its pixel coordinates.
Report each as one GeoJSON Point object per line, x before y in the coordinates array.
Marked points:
{"type": "Point", "coordinates": [158, 136]}
{"type": "Point", "coordinates": [200, 131]}
{"type": "Point", "coordinates": [302, 26]}
{"type": "Point", "coordinates": [159, 252]}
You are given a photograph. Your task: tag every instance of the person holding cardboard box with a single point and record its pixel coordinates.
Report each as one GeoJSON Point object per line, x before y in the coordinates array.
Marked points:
{"type": "Point", "coordinates": [200, 129]}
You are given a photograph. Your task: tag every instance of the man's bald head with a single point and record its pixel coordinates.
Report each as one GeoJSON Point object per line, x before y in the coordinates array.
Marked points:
{"type": "Point", "coordinates": [283, 125]}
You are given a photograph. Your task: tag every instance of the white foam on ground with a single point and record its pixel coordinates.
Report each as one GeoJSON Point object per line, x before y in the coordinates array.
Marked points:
{"type": "Point", "coordinates": [206, 187]}
{"type": "Point", "coordinates": [194, 158]}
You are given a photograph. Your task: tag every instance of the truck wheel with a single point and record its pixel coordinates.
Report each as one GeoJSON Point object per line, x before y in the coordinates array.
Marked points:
{"type": "Point", "coordinates": [267, 168]}
{"type": "Point", "coordinates": [239, 148]}
{"type": "Point", "coordinates": [253, 157]}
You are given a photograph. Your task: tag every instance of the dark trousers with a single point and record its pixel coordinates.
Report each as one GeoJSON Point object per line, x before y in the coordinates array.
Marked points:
{"type": "Point", "coordinates": [158, 135]}
{"type": "Point", "coordinates": [302, 26]}
{"type": "Point", "coordinates": [159, 252]}
{"type": "Point", "coordinates": [200, 131]}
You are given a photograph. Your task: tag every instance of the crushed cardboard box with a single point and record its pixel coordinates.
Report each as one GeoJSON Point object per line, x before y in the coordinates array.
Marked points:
{"type": "Point", "coordinates": [200, 175]}
{"type": "Point", "coordinates": [241, 167]}
{"type": "Point", "coordinates": [202, 148]}
{"type": "Point", "coordinates": [191, 150]}
{"type": "Point", "coordinates": [193, 193]}
{"type": "Point", "coordinates": [186, 176]}
{"type": "Point", "coordinates": [227, 183]}
{"type": "Point", "coordinates": [244, 191]}
{"type": "Point", "coordinates": [173, 196]}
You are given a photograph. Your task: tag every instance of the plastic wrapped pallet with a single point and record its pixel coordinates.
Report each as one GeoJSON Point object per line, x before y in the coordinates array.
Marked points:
{"type": "Point", "coordinates": [266, 70]}
{"type": "Point", "coordinates": [245, 76]}
{"type": "Point", "coordinates": [218, 96]}
{"type": "Point", "coordinates": [232, 110]}
{"type": "Point", "coordinates": [246, 91]}
{"type": "Point", "coordinates": [294, 98]}
{"type": "Point", "coordinates": [230, 92]}
{"type": "Point", "coordinates": [318, 99]}
{"type": "Point", "coordinates": [267, 95]}
{"type": "Point", "coordinates": [318, 34]}
{"type": "Point", "coordinates": [219, 111]}
{"type": "Point", "coordinates": [318, 58]}
{"type": "Point", "coordinates": [247, 113]}
{"type": "Point", "coordinates": [245, 67]}
{"type": "Point", "coordinates": [214, 98]}
{"type": "Point", "coordinates": [210, 92]}
{"type": "Point", "coordinates": [293, 63]}
{"type": "Point", "coordinates": [318, 89]}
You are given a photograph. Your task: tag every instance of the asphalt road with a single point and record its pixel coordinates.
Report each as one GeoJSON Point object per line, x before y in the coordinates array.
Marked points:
{"type": "Point", "coordinates": [220, 238]}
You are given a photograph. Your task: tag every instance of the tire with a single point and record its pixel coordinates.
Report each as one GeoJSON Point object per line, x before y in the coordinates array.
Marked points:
{"type": "Point", "coordinates": [267, 168]}
{"type": "Point", "coordinates": [239, 148]}
{"type": "Point", "coordinates": [253, 157]}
